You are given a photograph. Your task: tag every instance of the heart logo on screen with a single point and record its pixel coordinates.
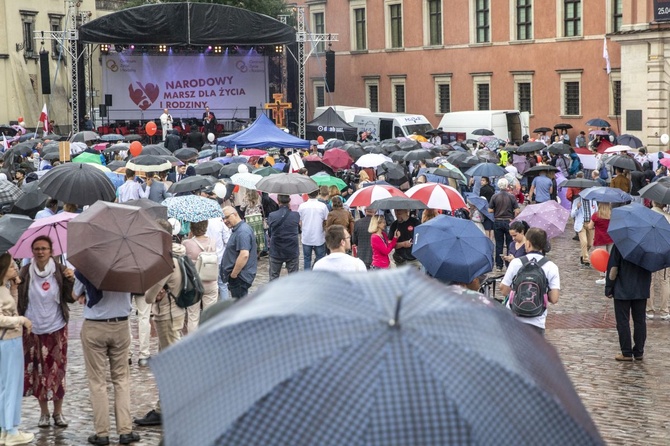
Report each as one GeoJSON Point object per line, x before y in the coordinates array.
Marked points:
{"type": "Point", "coordinates": [144, 95]}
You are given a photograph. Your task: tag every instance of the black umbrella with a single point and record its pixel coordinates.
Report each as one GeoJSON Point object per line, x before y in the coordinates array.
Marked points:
{"type": "Point", "coordinates": [77, 183]}
{"type": "Point", "coordinates": [155, 149]}
{"type": "Point", "coordinates": [8, 131]}
{"type": "Point", "coordinates": [208, 168]}
{"type": "Point", "coordinates": [421, 154]}
{"type": "Point", "coordinates": [185, 154]}
{"type": "Point", "coordinates": [52, 156]}
{"type": "Point", "coordinates": [23, 148]}
{"type": "Point", "coordinates": [116, 164]}
{"type": "Point", "coordinates": [658, 192]}
{"type": "Point", "coordinates": [462, 159]}
{"type": "Point", "coordinates": [597, 122]}
{"type": "Point", "coordinates": [116, 148]}
{"type": "Point", "coordinates": [447, 173]}
{"type": "Point", "coordinates": [489, 156]}
{"type": "Point", "coordinates": [287, 184]}
{"type": "Point", "coordinates": [409, 145]}
{"type": "Point", "coordinates": [32, 201]}
{"type": "Point", "coordinates": [398, 155]}
{"type": "Point", "coordinates": [581, 183]}
{"type": "Point", "coordinates": [542, 130]}
{"type": "Point", "coordinates": [173, 160]}
{"type": "Point", "coordinates": [84, 136]}
{"type": "Point", "coordinates": [483, 132]}
{"type": "Point", "coordinates": [531, 146]}
{"type": "Point", "coordinates": [390, 147]}
{"type": "Point", "coordinates": [335, 143]}
{"type": "Point", "coordinates": [314, 167]}
{"type": "Point", "coordinates": [354, 150]}
{"type": "Point", "coordinates": [189, 184]}
{"type": "Point", "coordinates": [563, 126]}
{"type": "Point", "coordinates": [231, 169]}
{"type": "Point", "coordinates": [132, 137]}
{"type": "Point", "coordinates": [375, 148]}
{"type": "Point", "coordinates": [630, 141]}
{"type": "Point", "coordinates": [52, 137]}
{"type": "Point", "coordinates": [434, 132]}
{"type": "Point", "coordinates": [540, 168]}
{"type": "Point", "coordinates": [9, 192]}
{"type": "Point", "coordinates": [12, 227]}
{"type": "Point", "coordinates": [397, 203]}
{"type": "Point", "coordinates": [156, 210]}
{"type": "Point", "coordinates": [391, 171]}
{"type": "Point", "coordinates": [559, 148]}
{"type": "Point", "coordinates": [148, 163]}
{"type": "Point", "coordinates": [622, 162]}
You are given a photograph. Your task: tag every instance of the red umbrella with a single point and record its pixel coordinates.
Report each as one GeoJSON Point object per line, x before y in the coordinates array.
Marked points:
{"type": "Point", "coordinates": [366, 195]}
{"type": "Point", "coordinates": [437, 196]}
{"type": "Point", "coordinates": [337, 159]}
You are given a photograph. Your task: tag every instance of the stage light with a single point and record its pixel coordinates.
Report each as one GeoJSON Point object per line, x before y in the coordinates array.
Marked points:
{"type": "Point", "coordinates": [217, 49]}
{"type": "Point", "coordinates": [209, 48]}
{"type": "Point", "coordinates": [162, 48]}
{"type": "Point", "coordinates": [104, 48]}
{"type": "Point", "coordinates": [132, 47]}
{"type": "Point", "coordinates": [279, 49]}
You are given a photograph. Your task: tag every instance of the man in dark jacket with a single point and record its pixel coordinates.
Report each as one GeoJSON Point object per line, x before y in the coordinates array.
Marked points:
{"type": "Point", "coordinates": [361, 238]}
{"type": "Point", "coordinates": [283, 231]}
{"type": "Point", "coordinates": [173, 141]}
{"type": "Point", "coordinates": [629, 285]}
{"type": "Point", "coordinates": [195, 139]}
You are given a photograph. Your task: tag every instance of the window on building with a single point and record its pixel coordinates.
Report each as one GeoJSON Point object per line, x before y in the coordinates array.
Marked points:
{"type": "Point", "coordinates": [319, 94]}
{"type": "Point", "coordinates": [395, 16]}
{"type": "Point", "coordinates": [372, 95]}
{"type": "Point", "coordinates": [483, 96]}
{"type": "Point", "coordinates": [617, 15]}
{"type": "Point", "coordinates": [398, 95]}
{"type": "Point", "coordinates": [524, 98]}
{"type": "Point", "coordinates": [443, 98]}
{"type": "Point", "coordinates": [435, 22]}
{"type": "Point", "coordinates": [572, 18]}
{"type": "Point", "coordinates": [360, 29]}
{"type": "Point", "coordinates": [524, 19]}
{"type": "Point", "coordinates": [55, 24]}
{"type": "Point", "coordinates": [616, 98]}
{"type": "Point", "coordinates": [319, 25]}
{"type": "Point", "coordinates": [483, 22]}
{"type": "Point", "coordinates": [571, 103]}
{"type": "Point", "coordinates": [28, 26]}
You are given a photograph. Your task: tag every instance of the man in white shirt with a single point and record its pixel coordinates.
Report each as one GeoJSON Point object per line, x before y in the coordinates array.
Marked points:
{"type": "Point", "coordinates": [131, 189]}
{"type": "Point", "coordinates": [338, 241]}
{"type": "Point", "coordinates": [534, 237]}
{"type": "Point", "coordinates": [166, 122]}
{"type": "Point", "coordinates": [313, 216]}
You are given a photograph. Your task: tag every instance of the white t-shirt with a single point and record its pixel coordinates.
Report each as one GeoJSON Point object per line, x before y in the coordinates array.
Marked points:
{"type": "Point", "coordinates": [339, 262]}
{"type": "Point", "coordinates": [312, 215]}
{"type": "Point", "coordinates": [553, 279]}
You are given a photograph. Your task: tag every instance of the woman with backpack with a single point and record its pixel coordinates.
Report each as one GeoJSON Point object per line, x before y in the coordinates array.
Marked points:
{"type": "Point", "coordinates": [197, 247]}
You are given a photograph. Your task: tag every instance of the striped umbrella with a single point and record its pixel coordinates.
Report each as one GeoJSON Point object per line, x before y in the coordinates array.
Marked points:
{"type": "Point", "coordinates": [437, 196]}
{"type": "Point", "coordinates": [366, 195]}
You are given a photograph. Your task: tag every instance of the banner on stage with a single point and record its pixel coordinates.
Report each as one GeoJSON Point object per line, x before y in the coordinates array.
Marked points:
{"type": "Point", "coordinates": [143, 85]}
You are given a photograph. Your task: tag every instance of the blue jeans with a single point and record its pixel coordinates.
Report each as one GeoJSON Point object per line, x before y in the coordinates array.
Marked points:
{"type": "Point", "coordinates": [11, 382]}
{"type": "Point", "coordinates": [238, 288]}
{"type": "Point", "coordinates": [503, 239]}
{"type": "Point", "coordinates": [319, 253]}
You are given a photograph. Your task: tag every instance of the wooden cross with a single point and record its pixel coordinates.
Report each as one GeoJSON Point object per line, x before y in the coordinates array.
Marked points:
{"type": "Point", "coordinates": [278, 108]}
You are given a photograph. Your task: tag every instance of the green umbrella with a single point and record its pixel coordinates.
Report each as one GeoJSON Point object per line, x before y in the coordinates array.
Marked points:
{"type": "Point", "coordinates": [89, 158]}
{"type": "Point", "coordinates": [327, 180]}
{"type": "Point", "coordinates": [265, 171]}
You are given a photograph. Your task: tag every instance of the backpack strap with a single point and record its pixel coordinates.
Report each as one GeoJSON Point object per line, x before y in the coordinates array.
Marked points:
{"type": "Point", "coordinates": [209, 247]}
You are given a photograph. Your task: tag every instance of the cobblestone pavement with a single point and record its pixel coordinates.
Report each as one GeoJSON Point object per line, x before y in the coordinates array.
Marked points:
{"type": "Point", "coordinates": [628, 401]}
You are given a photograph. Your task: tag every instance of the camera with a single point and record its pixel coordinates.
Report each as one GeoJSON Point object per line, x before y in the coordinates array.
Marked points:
{"type": "Point", "coordinates": [349, 176]}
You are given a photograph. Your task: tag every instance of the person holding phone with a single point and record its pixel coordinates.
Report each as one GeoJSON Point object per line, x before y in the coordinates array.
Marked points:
{"type": "Point", "coordinates": [380, 243]}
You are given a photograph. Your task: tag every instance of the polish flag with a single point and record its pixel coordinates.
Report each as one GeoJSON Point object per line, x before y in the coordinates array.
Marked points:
{"type": "Point", "coordinates": [44, 118]}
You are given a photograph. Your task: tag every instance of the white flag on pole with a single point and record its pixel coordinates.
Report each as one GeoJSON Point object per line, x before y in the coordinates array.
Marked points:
{"type": "Point", "coordinates": [606, 56]}
{"type": "Point", "coordinates": [5, 144]}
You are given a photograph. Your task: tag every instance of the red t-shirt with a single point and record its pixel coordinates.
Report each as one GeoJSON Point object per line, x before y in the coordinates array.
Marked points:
{"type": "Point", "coordinates": [600, 235]}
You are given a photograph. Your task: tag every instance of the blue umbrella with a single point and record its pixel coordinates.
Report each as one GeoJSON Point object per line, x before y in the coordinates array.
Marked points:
{"type": "Point", "coordinates": [641, 235]}
{"type": "Point", "coordinates": [116, 178]}
{"type": "Point", "coordinates": [383, 358]}
{"type": "Point", "coordinates": [111, 137]}
{"type": "Point", "coordinates": [481, 204]}
{"type": "Point", "coordinates": [605, 195]}
{"type": "Point", "coordinates": [452, 249]}
{"type": "Point", "coordinates": [206, 153]}
{"type": "Point", "coordinates": [192, 208]}
{"type": "Point", "coordinates": [486, 170]}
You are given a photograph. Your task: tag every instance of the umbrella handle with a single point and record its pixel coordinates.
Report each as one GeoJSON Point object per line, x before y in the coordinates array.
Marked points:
{"type": "Point", "coordinates": [395, 322]}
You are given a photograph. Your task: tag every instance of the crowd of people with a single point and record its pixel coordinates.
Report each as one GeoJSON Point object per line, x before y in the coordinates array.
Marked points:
{"type": "Point", "coordinates": [332, 236]}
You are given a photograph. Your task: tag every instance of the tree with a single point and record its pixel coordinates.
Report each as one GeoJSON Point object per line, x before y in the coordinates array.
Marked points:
{"type": "Point", "coordinates": [272, 8]}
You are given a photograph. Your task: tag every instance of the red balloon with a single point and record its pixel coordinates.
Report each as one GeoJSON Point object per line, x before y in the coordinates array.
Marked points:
{"type": "Point", "coordinates": [135, 148]}
{"type": "Point", "coordinates": [319, 139]}
{"type": "Point", "coordinates": [599, 258]}
{"type": "Point", "coordinates": [151, 128]}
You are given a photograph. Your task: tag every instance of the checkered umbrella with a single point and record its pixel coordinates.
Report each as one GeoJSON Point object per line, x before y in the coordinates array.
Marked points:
{"type": "Point", "coordinates": [9, 192]}
{"type": "Point", "coordinates": [385, 358]}
{"type": "Point", "coordinates": [192, 208]}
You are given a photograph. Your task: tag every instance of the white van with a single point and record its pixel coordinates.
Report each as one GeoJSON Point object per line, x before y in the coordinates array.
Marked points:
{"type": "Point", "coordinates": [383, 126]}
{"type": "Point", "coordinates": [345, 112]}
{"type": "Point", "coordinates": [509, 125]}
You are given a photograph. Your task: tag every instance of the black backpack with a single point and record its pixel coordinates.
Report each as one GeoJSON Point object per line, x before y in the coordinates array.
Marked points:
{"type": "Point", "coordinates": [191, 289]}
{"type": "Point", "coordinates": [530, 289]}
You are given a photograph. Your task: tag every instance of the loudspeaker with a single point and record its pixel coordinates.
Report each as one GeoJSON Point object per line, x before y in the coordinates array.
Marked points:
{"type": "Point", "coordinates": [252, 112]}
{"type": "Point", "coordinates": [103, 110]}
{"type": "Point", "coordinates": [108, 100]}
{"type": "Point", "coordinates": [330, 70]}
{"type": "Point", "coordinates": [44, 70]}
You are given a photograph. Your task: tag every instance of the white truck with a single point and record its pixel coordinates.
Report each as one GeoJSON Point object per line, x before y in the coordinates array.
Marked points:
{"type": "Point", "coordinates": [383, 126]}
{"type": "Point", "coordinates": [509, 125]}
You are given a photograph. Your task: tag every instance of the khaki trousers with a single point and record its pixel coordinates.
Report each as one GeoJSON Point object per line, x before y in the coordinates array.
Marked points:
{"type": "Point", "coordinates": [169, 332]}
{"type": "Point", "coordinates": [210, 297]}
{"type": "Point", "coordinates": [585, 242]}
{"type": "Point", "coordinates": [660, 280]}
{"type": "Point", "coordinates": [105, 342]}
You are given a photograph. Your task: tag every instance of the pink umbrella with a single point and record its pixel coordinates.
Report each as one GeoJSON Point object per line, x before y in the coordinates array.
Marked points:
{"type": "Point", "coordinates": [55, 227]}
{"type": "Point", "coordinates": [296, 200]}
{"type": "Point", "coordinates": [254, 152]}
{"type": "Point", "coordinates": [337, 159]}
{"type": "Point", "coordinates": [366, 195]}
{"type": "Point", "coordinates": [437, 196]}
{"type": "Point", "coordinates": [549, 216]}
{"type": "Point", "coordinates": [100, 147]}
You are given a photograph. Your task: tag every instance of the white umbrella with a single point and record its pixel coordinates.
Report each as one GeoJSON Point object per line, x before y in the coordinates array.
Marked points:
{"type": "Point", "coordinates": [619, 148]}
{"type": "Point", "coordinates": [246, 179]}
{"type": "Point", "coordinates": [372, 160]}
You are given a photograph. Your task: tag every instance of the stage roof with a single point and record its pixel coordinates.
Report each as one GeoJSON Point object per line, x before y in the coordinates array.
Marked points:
{"type": "Point", "coordinates": [183, 24]}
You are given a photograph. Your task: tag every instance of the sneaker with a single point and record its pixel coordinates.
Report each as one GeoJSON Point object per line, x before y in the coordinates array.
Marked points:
{"type": "Point", "coordinates": [665, 317]}
{"type": "Point", "coordinates": [650, 315]}
{"type": "Point", "coordinates": [97, 440]}
{"type": "Point", "coordinates": [143, 362]}
{"type": "Point", "coordinates": [600, 281]}
{"type": "Point", "coordinates": [639, 358]}
{"type": "Point", "coordinates": [18, 438]}
{"type": "Point", "coordinates": [44, 421]}
{"type": "Point", "coordinates": [152, 418]}
{"type": "Point", "coordinates": [3, 437]}
{"type": "Point", "coordinates": [621, 357]}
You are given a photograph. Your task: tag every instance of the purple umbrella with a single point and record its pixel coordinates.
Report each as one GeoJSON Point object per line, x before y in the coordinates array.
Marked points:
{"type": "Point", "coordinates": [55, 227]}
{"type": "Point", "coordinates": [562, 191]}
{"type": "Point", "coordinates": [549, 216]}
